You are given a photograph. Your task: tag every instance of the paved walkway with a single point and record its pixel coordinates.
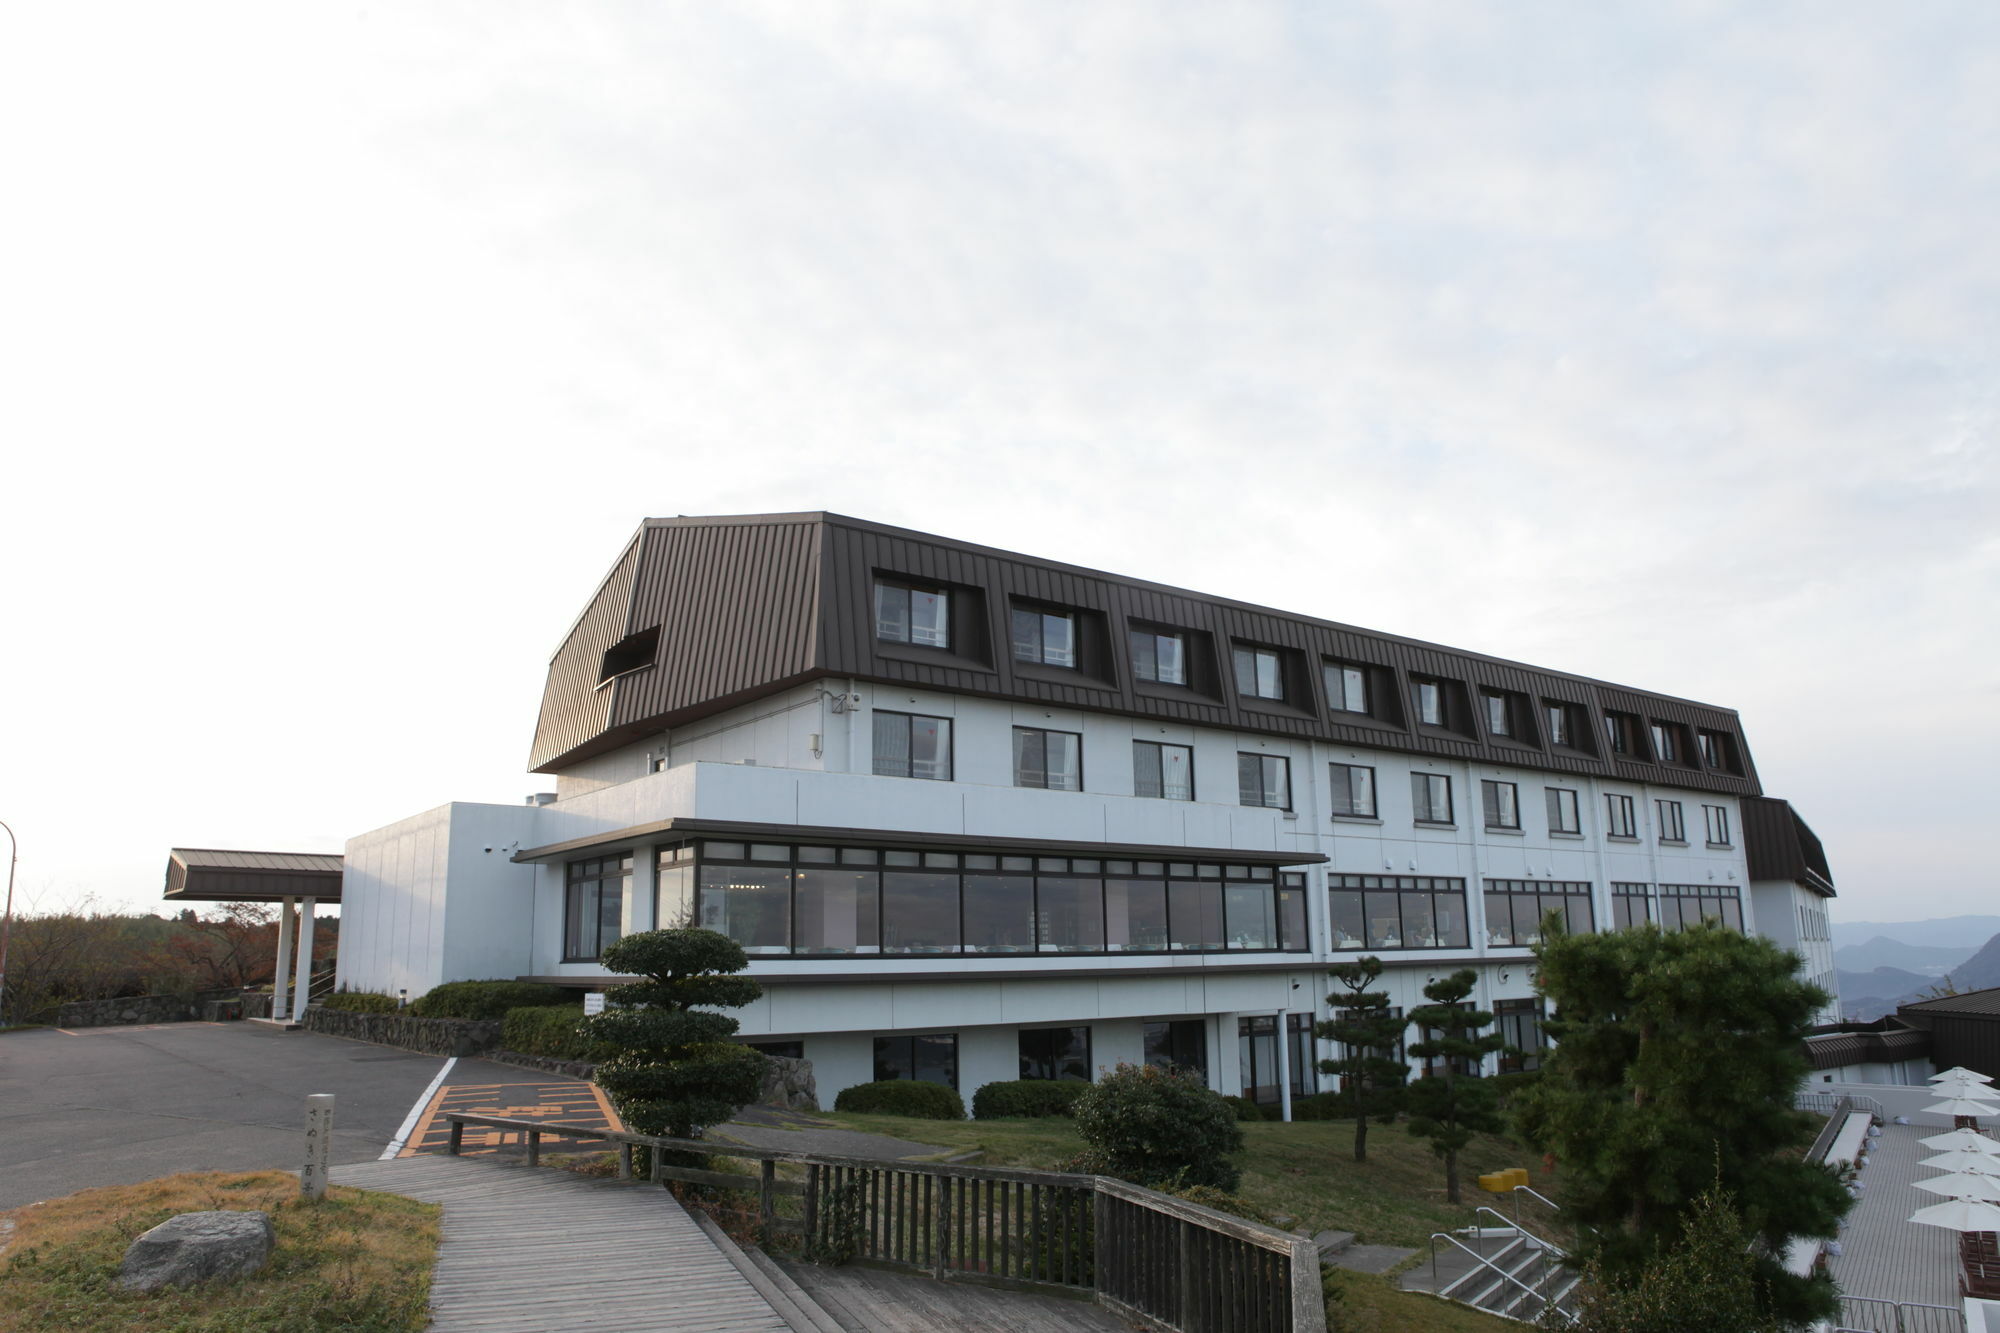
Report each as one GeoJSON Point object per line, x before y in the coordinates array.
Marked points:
{"type": "Point", "coordinates": [551, 1251]}
{"type": "Point", "coordinates": [1884, 1255]}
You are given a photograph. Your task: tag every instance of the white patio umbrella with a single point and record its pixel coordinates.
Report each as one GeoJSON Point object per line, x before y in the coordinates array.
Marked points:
{"type": "Point", "coordinates": [1960, 1072]}
{"type": "Point", "coordinates": [1964, 1087]}
{"type": "Point", "coordinates": [1972, 1163]}
{"type": "Point", "coordinates": [1963, 1185]}
{"type": "Point", "coordinates": [1963, 1106]}
{"type": "Point", "coordinates": [1962, 1140]}
{"type": "Point", "coordinates": [1959, 1215]}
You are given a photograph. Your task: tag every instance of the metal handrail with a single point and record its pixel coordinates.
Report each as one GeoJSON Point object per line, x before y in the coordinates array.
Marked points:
{"type": "Point", "coordinates": [1533, 1193]}
{"type": "Point", "coordinates": [1545, 1243]}
{"type": "Point", "coordinates": [1486, 1263]}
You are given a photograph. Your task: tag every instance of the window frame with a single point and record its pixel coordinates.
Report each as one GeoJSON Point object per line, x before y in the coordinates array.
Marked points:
{"type": "Point", "coordinates": [1627, 827]}
{"type": "Point", "coordinates": [1493, 793]}
{"type": "Point", "coordinates": [1714, 818]}
{"type": "Point", "coordinates": [1423, 807]}
{"type": "Point", "coordinates": [1022, 1037]}
{"type": "Point", "coordinates": [1397, 887]}
{"type": "Point", "coordinates": [1672, 821]}
{"type": "Point", "coordinates": [1665, 739]}
{"type": "Point", "coordinates": [1512, 1017]}
{"type": "Point", "coordinates": [1256, 653]}
{"type": "Point", "coordinates": [1020, 775]}
{"type": "Point", "coordinates": [908, 587]}
{"type": "Point", "coordinates": [1165, 793]}
{"type": "Point", "coordinates": [1339, 701]}
{"type": "Point", "coordinates": [1041, 616]}
{"type": "Point", "coordinates": [911, 1039]}
{"type": "Point", "coordinates": [1335, 787]}
{"type": "Point", "coordinates": [1418, 714]}
{"type": "Point", "coordinates": [1500, 704]}
{"type": "Point", "coordinates": [947, 744]}
{"type": "Point", "coordinates": [1285, 767]}
{"type": "Point", "coordinates": [593, 871]}
{"type": "Point", "coordinates": [1133, 634]}
{"type": "Point", "coordinates": [1553, 800]}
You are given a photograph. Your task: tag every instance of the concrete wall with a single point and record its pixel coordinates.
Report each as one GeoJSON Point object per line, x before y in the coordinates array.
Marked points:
{"type": "Point", "coordinates": [1798, 919]}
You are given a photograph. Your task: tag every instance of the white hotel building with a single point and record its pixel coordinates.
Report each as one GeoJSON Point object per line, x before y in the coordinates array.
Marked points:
{"type": "Point", "coordinates": [978, 816]}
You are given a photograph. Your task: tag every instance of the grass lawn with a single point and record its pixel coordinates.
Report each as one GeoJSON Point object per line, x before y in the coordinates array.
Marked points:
{"type": "Point", "coordinates": [358, 1262]}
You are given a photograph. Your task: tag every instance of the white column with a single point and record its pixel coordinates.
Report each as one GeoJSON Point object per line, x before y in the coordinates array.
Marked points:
{"type": "Point", "coordinates": [281, 977]}
{"type": "Point", "coordinates": [1284, 1069]}
{"type": "Point", "coordinates": [636, 912]}
{"type": "Point", "coordinates": [305, 969]}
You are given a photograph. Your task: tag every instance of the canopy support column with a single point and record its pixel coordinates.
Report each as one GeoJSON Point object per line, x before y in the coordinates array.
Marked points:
{"type": "Point", "coordinates": [304, 978]}
{"type": "Point", "coordinates": [281, 978]}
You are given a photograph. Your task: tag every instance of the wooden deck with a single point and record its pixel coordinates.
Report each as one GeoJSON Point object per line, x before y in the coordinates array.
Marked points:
{"type": "Point", "coordinates": [546, 1251]}
{"type": "Point", "coordinates": [868, 1300]}
{"type": "Point", "coordinates": [1883, 1254]}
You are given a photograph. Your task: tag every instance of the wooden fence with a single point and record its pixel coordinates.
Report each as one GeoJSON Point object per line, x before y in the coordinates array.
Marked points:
{"type": "Point", "coordinates": [1146, 1255]}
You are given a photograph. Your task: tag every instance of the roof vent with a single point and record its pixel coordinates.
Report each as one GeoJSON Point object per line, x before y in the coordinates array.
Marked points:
{"type": "Point", "coordinates": [542, 798]}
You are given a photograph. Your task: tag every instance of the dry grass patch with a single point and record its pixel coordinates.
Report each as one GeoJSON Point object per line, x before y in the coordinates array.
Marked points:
{"type": "Point", "coordinates": [358, 1261]}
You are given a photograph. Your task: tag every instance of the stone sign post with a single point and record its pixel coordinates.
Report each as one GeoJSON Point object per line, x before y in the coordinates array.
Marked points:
{"type": "Point", "coordinates": [319, 1142]}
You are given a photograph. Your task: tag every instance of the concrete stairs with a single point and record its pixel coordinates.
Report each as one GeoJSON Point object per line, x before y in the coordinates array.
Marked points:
{"type": "Point", "coordinates": [1508, 1271]}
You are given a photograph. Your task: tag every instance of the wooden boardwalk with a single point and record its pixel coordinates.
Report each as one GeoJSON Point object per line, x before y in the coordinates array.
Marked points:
{"type": "Point", "coordinates": [1884, 1255]}
{"type": "Point", "coordinates": [530, 1250]}
{"type": "Point", "coordinates": [868, 1300]}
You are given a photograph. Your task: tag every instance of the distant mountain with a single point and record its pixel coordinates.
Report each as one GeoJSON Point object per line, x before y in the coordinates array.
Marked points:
{"type": "Point", "coordinates": [1951, 932]}
{"type": "Point", "coordinates": [1930, 960]}
{"type": "Point", "coordinates": [1882, 983]}
{"type": "Point", "coordinates": [1980, 971]}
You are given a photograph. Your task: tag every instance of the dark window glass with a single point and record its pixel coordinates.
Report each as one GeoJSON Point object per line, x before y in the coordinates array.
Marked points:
{"type": "Point", "coordinates": [1557, 718]}
{"type": "Point", "coordinates": [1194, 915]}
{"type": "Point", "coordinates": [751, 906]}
{"type": "Point", "coordinates": [1665, 746]}
{"type": "Point", "coordinates": [1717, 819]}
{"type": "Point", "coordinates": [1293, 931]}
{"type": "Point", "coordinates": [673, 894]}
{"type": "Point", "coordinates": [999, 914]}
{"type": "Point", "coordinates": [1631, 905]}
{"type": "Point", "coordinates": [1047, 638]}
{"type": "Point", "coordinates": [634, 652]}
{"type": "Point", "coordinates": [919, 912]}
{"type": "Point", "coordinates": [1672, 827]}
{"type": "Point", "coordinates": [910, 745]}
{"type": "Point", "coordinates": [905, 613]}
{"type": "Point", "coordinates": [1159, 657]}
{"type": "Point", "coordinates": [1499, 717]}
{"type": "Point", "coordinates": [1354, 790]}
{"type": "Point", "coordinates": [1520, 1025]}
{"type": "Point", "coordinates": [1427, 699]}
{"type": "Point", "coordinates": [1048, 759]}
{"type": "Point", "coordinates": [593, 901]}
{"type": "Point", "coordinates": [1265, 780]}
{"type": "Point", "coordinates": [932, 1058]}
{"type": "Point", "coordinates": [1346, 688]}
{"type": "Point", "coordinates": [1135, 915]}
{"type": "Point", "coordinates": [1564, 816]}
{"type": "Point", "coordinates": [1682, 906]}
{"type": "Point", "coordinates": [1304, 1057]}
{"type": "Point", "coordinates": [1502, 804]}
{"type": "Point", "coordinates": [1259, 673]}
{"type": "Point", "coordinates": [1056, 1053]}
{"type": "Point", "coordinates": [1622, 731]}
{"type": "Point", "coordinates": [1257, 1054]}
{"type": "Point", "coordinates": [1397, 912]}
{"type": "Point", "coordinates": [1069, 914]}
{"type": "Point", "coordinates": [1619, 821]}
{"type": "Point", "coordinates": [1347, 919]}
{"type": "Point", "coordinates": [1179, 1044]}
{"type": "Point", "coordinates": [1162, 770]}
{"type": "Point", "coordinates": [1430, 798]}
{"type": "Point", "coordinates": [1250, 917]}
{"type": "Point", "coordinates": [1515, 908]}
{"type": "Point", "coordinates": [839, 911]}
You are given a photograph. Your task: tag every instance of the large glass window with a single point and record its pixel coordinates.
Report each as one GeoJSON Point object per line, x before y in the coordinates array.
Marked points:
{"type": "Point", "coordinates": [1163, 770]}
{"type": "Point", "coordinates": [1159, 657]}
{"type": "Point", "coordinates": [1069, 914]}
{"type": "Point", "coordinates": [1048, 759]}
{"type": "Point", "coordinates": [1304, 1055]}
{"type": "Point", "coordinates": [1520, 1026]}
{"type": "Point", "coordinates": [910, 745]}
{"type": "Point", "coordinates": [1263, 779]}
{"type": "Point", "coordinates": [839, 911]}
{"type": "Point", "coordinates": [919, 912]}
{"type": "Point", "coordinates": [593, 900]}
{"type": "Point", "coordinates": [1631, 905]}
{"type": "Point", "coordinates": [1135, 915]}
{"type": "Point", "coordinates": [1293, 930]}
{"type": "Point", "coordinates": [1564, 816]}
{"type": "Point", "coordinates": [911, 613]}
{"type": "Point", "coordinates": [1673, 828]}
{"type": "Point", "coordinates": [1515, 908]}
{"type": "Point", "coordinates": [750, 904]}
{"type": "Point", "coordinates": [933, 1058]}
{"type": "Point", "coordinates": [1259, 672]}
{"type": "Point", "coordinates": [1346, 687]}
{"type": "Point", "coordinates": [1430, 798]}
{"type": "Point", "coordinates": [673, 888]}
{"type": "Point", "coordinates": [1683, 906]}
{"type": "Point", "coordinates": [1249, 916]}
{"type": "Point", "coordinates": [1397, 912]}
{"type": "Point", "coordinates": [999, 914]}
{"type": "Point", "coordinates": [1257, 1057]}
{"type": "Point", "coordinates": [1180, 1043]}
{"type": "Point", "coordinates": [1056, 1053]}
{"type": "Point", "coordinates": [1502, 804]}
{"type": "Point", "coordinates": [1354, 790]}
{"type": "Point", "coordinates": [1194, 914]}
{"type": "Point", "coordinates": [1619, 819]}
{"type": "Point", "coordinates": [1047, 638]}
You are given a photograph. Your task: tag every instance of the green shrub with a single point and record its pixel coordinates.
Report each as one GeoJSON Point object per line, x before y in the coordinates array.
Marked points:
{"type": "Point", "coordinates": [902, 1096]}
{"type": "Point", "coordinates": [1323, 1106]}
{"type": "Point", "coordinates": [551, 1031]}
{"type": "Point", "coordinates": [1026, 1099]}
{"type": "Point", "coordinates": [1160, 1127]}
{"type": "Point", "coordinates": [486, 999]}
{"type": "Point", "coordinates": [1245, 1109]}
{"type": "Point", "coordinates": [358, 1002]}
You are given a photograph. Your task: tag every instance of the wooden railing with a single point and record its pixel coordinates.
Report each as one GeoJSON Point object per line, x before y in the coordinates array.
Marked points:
{"type": "Point", "coordinates": [1141, 1253]}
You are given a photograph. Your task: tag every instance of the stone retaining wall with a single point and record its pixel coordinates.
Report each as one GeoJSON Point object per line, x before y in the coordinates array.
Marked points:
{"type": "Point", "coordinates": [430, 1036]}
{"type": "Point", "coordinates": [134, 1009]}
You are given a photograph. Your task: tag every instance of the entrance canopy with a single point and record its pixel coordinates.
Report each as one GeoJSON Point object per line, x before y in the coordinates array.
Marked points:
{"type": "Point", "coordinates": [208, 875]}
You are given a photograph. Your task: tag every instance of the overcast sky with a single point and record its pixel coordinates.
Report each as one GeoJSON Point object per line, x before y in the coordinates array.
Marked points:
{"type": "Point", "coordinates": [342, 349]}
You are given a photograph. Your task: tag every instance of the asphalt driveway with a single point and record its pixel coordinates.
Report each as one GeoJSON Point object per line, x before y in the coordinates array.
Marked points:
{"type": "Point", "coordinates": [114, 1106]}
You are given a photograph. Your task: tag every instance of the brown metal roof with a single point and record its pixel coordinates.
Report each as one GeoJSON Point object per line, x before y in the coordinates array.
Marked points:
{"type": "Point", "coordinates": [1982, 1002]}
{"type": "Point", "coordinates": [216, 875]}
{"type": "Point", "coordinates": [1835, 1049]}
{"type": "Point", "coordinates": [667, 829]}
{"type": "Point", "coordinates": [751, 604]}
{"type": "Point", "coordinates": [1779, 845]}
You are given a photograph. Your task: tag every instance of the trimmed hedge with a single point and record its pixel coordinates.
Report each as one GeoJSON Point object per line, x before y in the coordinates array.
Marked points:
{"type": "Point", "coordinates": [1026, 1099]}
{"type": "Point", "coordinates": [1162, 1128]}
{"type": "Point", "coordinates": [552, 1031]}
{"type": "Point", "coordinates": [486, 999]}
{"type": "Point", "coordinates": [357, 1002]}
{"type": "Point", "coordinates": [902, 1096]}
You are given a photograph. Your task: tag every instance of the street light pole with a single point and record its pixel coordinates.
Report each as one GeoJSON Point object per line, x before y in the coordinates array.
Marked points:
{"type": "Point", "coordinates": [7, 921]}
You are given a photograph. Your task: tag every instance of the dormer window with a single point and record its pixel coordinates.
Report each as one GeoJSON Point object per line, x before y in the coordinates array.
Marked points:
{"type": "Point", "coordinates": [1427, 700]}
{"type": "Point", "coordinates": [1045, 638]}
{"type": "Point", "coordinates": [1346, 687]}
{"type": "Point", "coordinates": [1663, 744]}
{"type": "Point", "coordinates": [1621, 732]}
{"type": "Point", "coordinates": [1259, 672]}
{"type": "Point", "coordinates": [912, 613]}
{"type": "Point", "coordinates": [634, 652]}
{"type": "Point", "coordinates": [1718, 751]}
{"type": "Point", "coordinates": [1159, 657]}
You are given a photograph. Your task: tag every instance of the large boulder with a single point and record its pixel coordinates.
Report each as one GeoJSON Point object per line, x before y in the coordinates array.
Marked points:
{"type": "Point", "coordinates": [197, 1247]}
{"type": "Point", "coordinates": [788, 1083]}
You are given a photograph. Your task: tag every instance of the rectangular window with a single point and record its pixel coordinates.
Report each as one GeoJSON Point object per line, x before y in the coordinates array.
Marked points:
{"type": "Point", "coordinates": [1717, 750]}
{"type": "Point", "coordinates": [1520, 1025]}
{"type": "Point", "coordinates": [1056, 1053]}
{"type": "Point", "coordinates": [1621, 730]}
{"type": "Point", "coordinates": [1257, 1057]}
{"type": "Point", "coordinates": [1049, 759]}
{"type": "Point", "coordinates": [750, 904]}
{"type": "Point", "coordinates": [1672, 829]}
{"type": "Point", "coordinates": [931, 1059]}
{"type": "Point", "coordinates": [1515, 909]}
{"type": "Point", "coordinates": [838, 911]}
{"type": "Point", "coordinates": [911, 613]}
{"type": "Point", "coordinates": [1427, 698]}
{"type": "Point", "coordinates": [1346, 688]}
{"type": "Point", "coordinates": [1302, 1055]}
{"type": "Point", "coordinates": [1499, 714]}
{"type": "Point", "coordinates": [1557, 718]}
{"type": "Point", "coordinates": [1354, 791]}
{"type": "Point", "coordinates": [1263, 779]}
{"type": "Point", "coordinates": [1180, 1043]}
{"type": "Point", "coordinates": [1631, 905]}
{"type": "Point", "coordinates": [1194, 915]}
{"type": "Point", "coordinates": [1430, 797]}
{"type": "Point", "coordinates": [1685, 906]}
{"type": "Point", "coordinates": [1249, 916]}
{"type": "Point", "coordinates": [910, 745]}
{"type": "Point", "coordinates": [1564, 817]}
{"type": "Point", "coordinates": [1161, 658]}
{"type": "Point", "coordinates": [593, 900]}
{"type": "Point", "coordinates": [1502, 804]}
{"type": "Point", "coordinates": [999, 914]}
{"type": "Point", "coordinates": [1046, 638]}
{"type": "Point", "coordinates": [1259, 673]}
{"type": "Point", "coordinates": [1069, 914]}
{"type": "Point", "coordinates": [919, 912]}
{"type": "Point", "coordinates": [1619, 820]}
{"type": "Point", "coordinates": [1162, 770]}
{"type": "Point", "coordinates": [1664, 747]}
{"type": "Point", "coordinates": [673, 889]}
{"type": "Point", "coordinates": [1135, 915]}
{"type": "Point", "coordinates": [1397, 912]}
{"type": "Point", "coordinates": [1717, 819]}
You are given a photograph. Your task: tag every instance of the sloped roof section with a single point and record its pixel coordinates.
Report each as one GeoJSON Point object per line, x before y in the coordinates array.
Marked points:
{"type": "Point", "coordinates": [219, 875]}
{"type": "Point", "coordinates": [1982, 1002]}
{"type": "Point", "coordinates": [1780, 845]}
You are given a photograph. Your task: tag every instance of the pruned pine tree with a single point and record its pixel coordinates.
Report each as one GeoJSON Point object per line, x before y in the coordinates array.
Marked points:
{"type": "Point", "coordinates": [1706, 1281]}
{"type": "Point", "coordinates": [1452, 1105]}
{"type": "Point", "coordinates": [1371, 1076]}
